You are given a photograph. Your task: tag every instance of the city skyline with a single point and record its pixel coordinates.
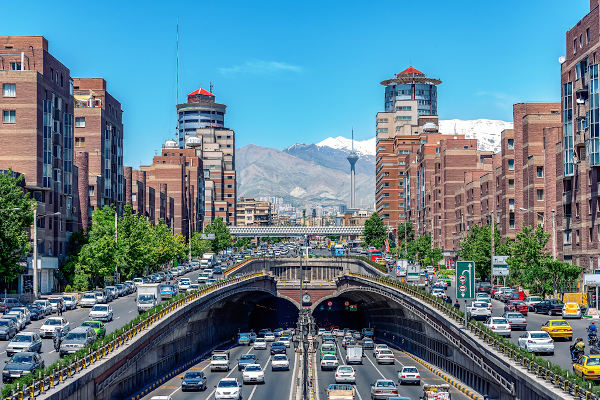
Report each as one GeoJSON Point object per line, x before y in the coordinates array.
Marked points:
{"type": "Point", "coordinates": [252, 73]}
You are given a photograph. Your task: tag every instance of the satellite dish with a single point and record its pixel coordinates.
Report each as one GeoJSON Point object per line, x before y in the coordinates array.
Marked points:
{"type": "Point", "coordinates": [562, 59]}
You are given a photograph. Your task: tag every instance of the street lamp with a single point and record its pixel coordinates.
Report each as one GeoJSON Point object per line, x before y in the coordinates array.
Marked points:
{"type": "Point", "coordinates": [35, 250]}
{"type": "Point", "coordinates": [553, 227]}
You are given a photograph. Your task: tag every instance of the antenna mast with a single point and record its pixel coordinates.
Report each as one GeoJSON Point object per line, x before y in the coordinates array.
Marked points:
{"type": "Point", "coordinates": [352, 138]}
{"type": "Point", "coordinates": [177, 72]}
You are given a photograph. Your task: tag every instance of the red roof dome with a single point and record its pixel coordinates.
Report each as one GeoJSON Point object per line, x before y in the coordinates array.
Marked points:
{"type": "Point", "coordinates": [201, 91]}
{"type": "Point", "coordinates": [411, 70]}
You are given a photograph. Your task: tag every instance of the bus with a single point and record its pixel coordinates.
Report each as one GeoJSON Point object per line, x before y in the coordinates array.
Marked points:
{"type": "Point", "coordinates": [338, 250]}
{"type": "Point", "coordinates": [374, 255]}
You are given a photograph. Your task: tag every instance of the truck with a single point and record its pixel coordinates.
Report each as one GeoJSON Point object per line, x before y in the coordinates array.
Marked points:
{"type": "Point", "coordinates": [219, 360]}
{"type": "Point", "coordinates": [354, 354]}
{"type": "Point", "coordinates": [148, 296]}
{"type": "Point", "coordinates": [208, 260]}
{"type": "Point", "coordinates": [244, 339]}
{"type": "Point", "coordinates": [339, 391]}
{"type": "Point", "coordinates": [413, 273]}
{"type": "Point", "coordinates": [436, 392]}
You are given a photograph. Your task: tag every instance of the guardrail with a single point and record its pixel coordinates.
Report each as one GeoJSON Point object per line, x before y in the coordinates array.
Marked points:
{"type": "Point", "coordinates": [30, 386]}
{"type": "Point", "coordinates": [543, 369]}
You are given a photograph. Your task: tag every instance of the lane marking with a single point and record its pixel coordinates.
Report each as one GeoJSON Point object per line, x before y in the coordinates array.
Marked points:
{"type": "Point", "coordinates": [228, 375]}
{"type": "Point", "coordinates": [252, 393]}
{"type": "Point", "coordinates": [293, 376]}
{"type": "Point", "coordinates": [357, 392]}
{"type": "Point", "coordinates": [376, 369]}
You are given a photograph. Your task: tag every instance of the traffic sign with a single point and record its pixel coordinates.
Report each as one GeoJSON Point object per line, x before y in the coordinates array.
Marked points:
{"type": "Point", "coordinates": [330, 303]}
{"type": "Point", "coordinates": [465, 274]}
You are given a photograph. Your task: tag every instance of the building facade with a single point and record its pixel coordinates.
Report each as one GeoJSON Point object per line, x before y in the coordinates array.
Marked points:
{"type": "Point", "coordinates": [251, 212]}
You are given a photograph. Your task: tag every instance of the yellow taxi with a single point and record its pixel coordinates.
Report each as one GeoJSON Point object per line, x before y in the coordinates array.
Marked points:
{"type": "Point", "coordinates": [588, 367]}
{"type": "Point", "coordinates": [558, 328]}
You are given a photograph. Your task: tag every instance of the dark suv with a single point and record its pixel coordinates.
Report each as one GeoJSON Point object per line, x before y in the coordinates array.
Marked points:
{"type": "Point", "coordinates": [550, 307]}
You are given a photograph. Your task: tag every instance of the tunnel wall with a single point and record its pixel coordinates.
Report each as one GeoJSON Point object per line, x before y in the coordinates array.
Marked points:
{"type": "Point", "coordinates": [401, 321]}
{"type": "Point", "coordinates": [176, 339]}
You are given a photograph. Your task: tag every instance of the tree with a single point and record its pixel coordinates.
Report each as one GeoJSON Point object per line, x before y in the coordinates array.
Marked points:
{"type": "Point", "coordinates": [528, 257]}
{"type": "Point", "coordinates": [242, 243]}
{"type": "Point", "coordinates": [375, 232]}
{"type": "Point", "coordinates": [199, 245]}
{"type": "Point", "coordinates": [16, 216]}
{"type": "Point", "coordinates": [476, 246]}
{"type": "Point", "coordinates": [560, 274]}
{"type": "Point", "coordinates": [222, 240]}
{"type": "Point", "coordinates": [410, 234]}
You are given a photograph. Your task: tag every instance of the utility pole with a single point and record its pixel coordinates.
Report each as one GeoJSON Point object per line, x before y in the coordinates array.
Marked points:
{"type": "Point", "coordinates": [554, 236]}
{"type": "Point", "coordinates": [493, 233]}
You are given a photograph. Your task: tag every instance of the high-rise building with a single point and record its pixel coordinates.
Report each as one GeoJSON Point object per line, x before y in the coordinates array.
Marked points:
{"type": "Point", "coordinates": [253, 212]}
{"type": "Point", "coordinates": [99, 132]}
{"type": "Point", "coordinates": [579, 172]}
{"type": "Point", "coordinates": [36, 140]}
{"type": "Point", "coordinates": [215, 146]}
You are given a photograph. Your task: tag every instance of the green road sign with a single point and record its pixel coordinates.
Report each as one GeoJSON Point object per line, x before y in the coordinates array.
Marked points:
{"type": "Point", "coordinates": [465, 279]}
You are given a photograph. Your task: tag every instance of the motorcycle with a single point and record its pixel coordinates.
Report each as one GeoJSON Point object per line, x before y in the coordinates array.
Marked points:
{"type": "Point", "coordinates": [575, 354]}
{"type": "Point", "coordinates": [592, 339]}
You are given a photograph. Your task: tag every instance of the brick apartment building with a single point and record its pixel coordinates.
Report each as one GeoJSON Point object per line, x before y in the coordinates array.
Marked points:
{"type": "Point", "coordinates": [99, 132]}
{"type": "Point", "coordinates": [579, 168]}
{"type": "Point", "coordinates": [255, 213]}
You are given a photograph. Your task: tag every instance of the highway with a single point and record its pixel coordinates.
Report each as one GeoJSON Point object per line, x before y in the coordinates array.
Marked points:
{"type": "Point", "coordinates": [277, 384]}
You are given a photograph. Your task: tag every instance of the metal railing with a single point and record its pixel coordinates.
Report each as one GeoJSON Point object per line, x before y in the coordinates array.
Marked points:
{"type": "Point", "coordinates": [60, 371]}
{"type": "Point", "coordinates": [559, 378]}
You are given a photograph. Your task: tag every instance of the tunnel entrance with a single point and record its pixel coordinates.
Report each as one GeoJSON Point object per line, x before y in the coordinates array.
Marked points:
{"type": "Point", "coordinates": [340, 312]}
{"type": "Point", "coordinates": [273, 312]}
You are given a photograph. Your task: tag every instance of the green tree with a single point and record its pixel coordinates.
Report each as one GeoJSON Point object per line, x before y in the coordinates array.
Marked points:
{"type": "Point", "coordinates": [560, 274]}
{"type": "Point", "coordinates": [410, 234]}
{"type": "Point", "coordinates": [167, 247]}
{"type": "Point", "coordinates": [375, 232]}
{"type": "Point", "coordinates": [476, 246]}
{"type": "Point", "coordinates": [528, 257]}
{"type": "Point", "coordinates": [222, 240]}
{"type": "Point", "coordinates": [16, 216]}
{"type": "Point", "coordinates": [242, 243]}
{"type": "Point", "coordinates": [199, 245]}
{"type": "Point", "coordinates": [134, 244]}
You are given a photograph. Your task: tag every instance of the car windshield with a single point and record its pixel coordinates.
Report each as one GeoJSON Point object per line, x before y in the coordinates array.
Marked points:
{"type": "Point", "coordinates": [219, 358]}
{"type": "Point", "coordinates": [329, 358]}
{"type": "Point", "coordinates": [194, 374]}
{"type": "Point", "coordinates": [52, 321]}
{"type": "Point", "coordinates": [76, 336]}
{"type": "Point", "coordinates": [145, 298]}
{"type": "Point", "coordinates": [280, 358]}
{"type": "Point", "coordinates": [23, 338]}
{"type": "Point", "coordinates": [247, 357]}
{"type": "Point", "coordinates": [345, 369]}
{"type": "Point", "coordinates": [498, 321]}
{"type": "Point", "coordinates": [259, 340]}
{"type": "Point", "coordinates": [227, 383]}
{"type": "Point", "coordinates": [559, 323]}
{"type": "Point", "coordinates": [387, 384]}
{"type": "Point", "coordinates": [89, 296]}
{"type": "Point", "coordinates": [479, 304]}
{"type": "Point", "coordinates": [252, 368]}
{"type": "Point", "coordinates": [539, 335]}
{"type": "Point", "coordinates": [53, 301]}
{"type": "Point", "coordinates": [22, 358]}
{"type": "Point", "coordinates": [4, 322]}
{"type": "Point", "coordinates": [409, 369]}
{"type": "Point", "coordinates": [92, 324]}
{"type": "Point", "coordinates": [514, 315]}
{"type": "Point", "coordinates": [593, 361]}
{"type": "Point", "coordinates": [386, 352]}
{"type": "Point", "coordinates": [100, 308]}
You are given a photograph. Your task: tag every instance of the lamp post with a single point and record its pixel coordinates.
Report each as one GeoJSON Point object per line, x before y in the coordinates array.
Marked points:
{"type": "Point", "coordinates": [35, 250]}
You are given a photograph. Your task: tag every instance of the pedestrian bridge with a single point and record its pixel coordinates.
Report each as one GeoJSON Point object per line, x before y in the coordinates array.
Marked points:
{"type": "Point", "coordinates": [295, 231]}
{"type": "Point", "coordinates": [268, 293]}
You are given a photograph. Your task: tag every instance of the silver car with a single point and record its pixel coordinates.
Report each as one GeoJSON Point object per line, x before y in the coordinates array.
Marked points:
{"type": "Point", "coordinates": [70, 302]}
{"type": "Point", "coordinates": [24, 341]}
{"type": "Point", "coordinates": [101, 312]}
{"type": "Point", "coordinates": [88, 300]}
{"type": "Point", "coordinates": [77, 339]}
{"type": "Point", "coordinates": [48, 329]}
{"type": "Point", "coordinates": [383, 389]}
{"type": "Point", "coordinates": [44, 305]}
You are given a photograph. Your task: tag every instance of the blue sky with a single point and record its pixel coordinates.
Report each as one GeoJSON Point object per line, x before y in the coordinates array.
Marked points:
{"type": "Point", "coordinates": [302, 71]}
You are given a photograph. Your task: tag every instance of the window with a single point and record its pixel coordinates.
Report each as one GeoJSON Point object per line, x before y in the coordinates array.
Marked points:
{"type": "Point", "coordinates": [9, 116]}
{"type": "Point", "coordinates": [540, 194]}
{"type": "Point", "coordinates": [587, 35]}
{"type": "Point", "coordinates": [511, 165]}
{"type": "Point", "coordinates": [511, 220]}
{"type": "Point", "coordinates": [511, 183]}
{"type": "Point", "coordinates": [574, 46]}
{"type": "Point", "coordinates": [133, 196]}
{"type": "Point", "coordinates": [403, 118]}
{"type": "Point", "coordinates": [15, 66]}
{"type": "Point", "coordinates": [567, 237]}
{"type": "Point", "coordinates": [511, 144]}
{"type": "Point", "coordinates": [540, 219]}
{"type": "Point", "coordinates": [9, 90]}
{"type": "Point", "coordinates": [540, 172]}
{"type": "Point", "coordinates": [90, 190]}
{"type": "Point", "coordinates": [511, 204]}
{"type": "Point", "coordinates": [80, 122]}
{"type": "Point", "coordinates": [577, 236]}
{"type": "Point", "coordinates": [404, 108]}
{"type": "Point", "coordinates": [79, 142]}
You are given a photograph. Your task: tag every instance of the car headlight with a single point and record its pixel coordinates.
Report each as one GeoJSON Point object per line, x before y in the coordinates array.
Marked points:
{"type": "Point", "coordinates": [4, 371]}
{"type": "Point", "coordinates": [26, 372]}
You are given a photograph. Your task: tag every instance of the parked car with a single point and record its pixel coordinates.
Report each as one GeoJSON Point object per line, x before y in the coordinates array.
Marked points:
{"type": "Point", "coordinates": [45, 305]}
{"type": "Point", "coordinates": [193, 380]}
{"type": "Point", "coordinates": [36, 312]}
{"type": "Point", "coordinates": [516, 320]}
{"type": "Point", "coordinates": [88, 300]}
{"type": "Point", "coordinates": [24, 341]}
{"type": "Point", "coordinates": [383, 389]}
{"type": "Point", "coordinates": [536, 342]}
{"type": "Point", "coordinates": [409, 374]}
{"type": "Point", "coordinates": [21, 320]}
{"type": "Point", "coordinates": [77, 339]}
{"type": "Point", "coordinates": [48, 329]}
{"type": "Point", "coordinates": [550, 307]}
{"type": "Point", "coordinates": [101, 297]}
{"type": "Point", "coordinates": [70, 301]}
{"type": "Point", "coordinates": [54, 301]}
{"type": "Point", "coordinates": [21, 364]}
{"type": "Point", "coordinates": [8, 303]}
{"type": "Point", "coordinates": [8, 328]}
{"type": "Point", "coordinates": [98, 327]}
{"type": "Point", "coordinates": [101, 312]}
{"type": "Point", "coordinates": [25, 311]}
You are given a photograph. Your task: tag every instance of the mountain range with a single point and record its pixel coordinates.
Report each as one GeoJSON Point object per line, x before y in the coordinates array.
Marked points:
{"type": "Point", "coordinates": [307, 175]}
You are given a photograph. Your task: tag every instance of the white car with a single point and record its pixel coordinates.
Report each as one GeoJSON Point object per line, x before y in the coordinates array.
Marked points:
{"type": "Point", "coordinates": [329, 361]}
{"type": "Point", "coordinates": [499, 325]}
{"type": "Point", "coordinates": [345, 374]}
{"type": "Point", "coordinates": [70, 302]}
{"type": "Point", "coordinates": [536, 342]}
{"type": "Point", "coordinates": [378, 348]}
{"type": "Point", "coordinates": [385, 357]}
{"type": "Point", "coordinates": [253, 373]}
{"type": "Point", "coordinates": [21, 320]}
{"type": "Point", "coordinates": [48, 329]}
{"type": "Point", "coordinates": [285, 340]}
{"type": "Point", "coordinates": [101, 312]}
{"type": "Point", "coordinates": [45, 305]}
{"type": "Point", "coordinates": [25, 311]}
{"type": "Point", "coordinates": [532, 301]}
{"type": "Point", "coordinates": [209, 272]}
{"type": "Point", "coordinates": [270, 337]}
{"type": "Point", "coordinates": [409, 374]}
{"type": "Point", "coordinates": [479, 310]}
{"type": "Point", "coordinates": [184, 284]}
{"type": "Point", "coordinates": [88, 300]}
{"type": "Point", "coordinates": [260, 344]}
{"type": "Point", "coordinates": [228, 389]}
{"type": "Point", "coordinates": [203, 278]}
{"type": "Point", "coordinates": [481, 296]}
{"type": "Point", "coordinates": [437, 292]}
{"type": "Point", "coordinates": [280, 362]}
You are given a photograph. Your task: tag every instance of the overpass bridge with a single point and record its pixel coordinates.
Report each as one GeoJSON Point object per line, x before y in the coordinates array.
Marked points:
{"type": "Point", "coordinates": [402, 316]}
{"type": "Point", "coordinates": [295, 231]}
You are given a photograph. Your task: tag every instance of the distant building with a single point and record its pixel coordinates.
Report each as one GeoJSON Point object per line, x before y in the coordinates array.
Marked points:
{"type": "Point", "coordinates": [200, 111]}
{"type": "Point", "coordinates": [251, 212]}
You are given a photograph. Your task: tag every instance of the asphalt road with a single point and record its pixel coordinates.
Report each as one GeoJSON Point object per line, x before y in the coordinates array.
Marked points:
{"type": "Point", "coordinates": [124, 310]}
{"type": "Point", "coordinates": [369, 371]}
{"type": "Point", "coordinates": [277, 384]}
{"type": "Point", "coordinates": [562, 355]}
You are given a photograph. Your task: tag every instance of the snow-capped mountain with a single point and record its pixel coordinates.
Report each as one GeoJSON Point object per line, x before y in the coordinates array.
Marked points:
{"type": "Point", "coordinates": [486, 131]}
{"type": "Point", "coordinates": [364, 147]}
